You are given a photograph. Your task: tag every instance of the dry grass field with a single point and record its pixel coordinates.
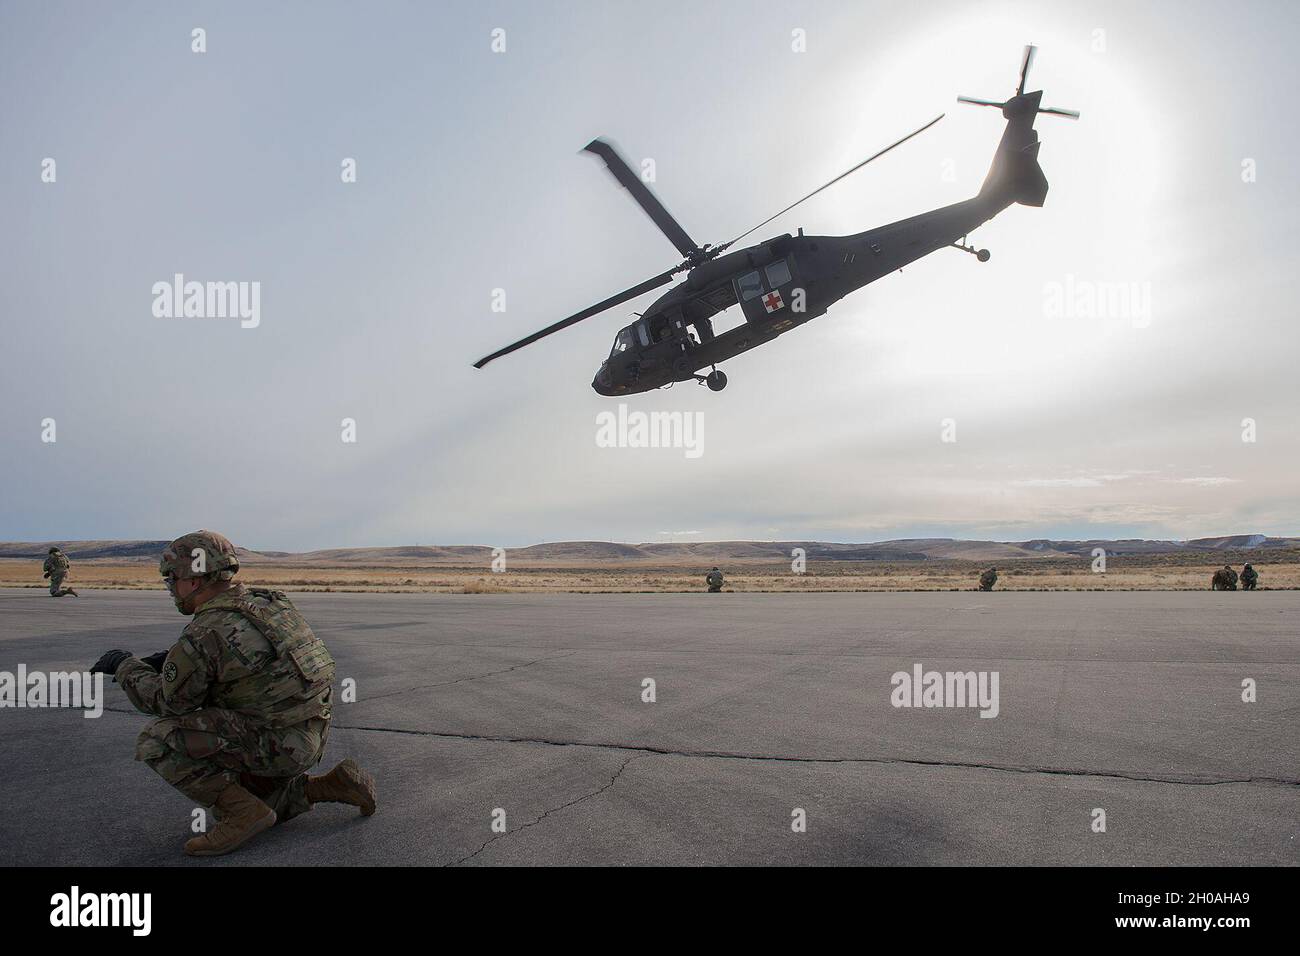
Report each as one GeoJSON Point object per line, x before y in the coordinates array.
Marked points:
{"type": "Point", "coordinates": [1173, 572]}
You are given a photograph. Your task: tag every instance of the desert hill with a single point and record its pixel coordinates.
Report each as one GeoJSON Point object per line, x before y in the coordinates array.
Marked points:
{"type": "Point", "coordinates": [574, 553]}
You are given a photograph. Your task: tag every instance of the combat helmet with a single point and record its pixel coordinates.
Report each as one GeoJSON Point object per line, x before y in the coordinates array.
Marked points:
{"type": "Point", "coordinates": [199, 554]}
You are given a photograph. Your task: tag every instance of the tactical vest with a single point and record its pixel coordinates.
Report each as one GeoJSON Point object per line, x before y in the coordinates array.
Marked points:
{"type": "Point", "coordinates": [58, 563]}
{"type": "Point", "coordinates": [293, 686]}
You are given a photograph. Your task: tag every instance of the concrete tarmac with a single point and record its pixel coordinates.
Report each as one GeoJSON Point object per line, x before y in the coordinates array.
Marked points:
{"type": "Point", "coordinates": [765, 705]}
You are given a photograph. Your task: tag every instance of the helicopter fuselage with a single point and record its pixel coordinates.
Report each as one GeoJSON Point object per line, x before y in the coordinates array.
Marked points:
{"type": "Point", "coordinates": [780, 284]}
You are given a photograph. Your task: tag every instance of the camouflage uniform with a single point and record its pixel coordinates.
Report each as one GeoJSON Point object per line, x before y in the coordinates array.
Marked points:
{"type": "Point", "coordinates": [1249, 578]}
{"type": "Point", "coordinates": [57, 566]}
{"type": "Point", "coordinates": [988, 579]}
{"type": "Point", "coordinates": [714, 580]}
{"type": "Point", "coordinates": [1225, 579]}
{"type": "Point", "coordinates": [244, 697]}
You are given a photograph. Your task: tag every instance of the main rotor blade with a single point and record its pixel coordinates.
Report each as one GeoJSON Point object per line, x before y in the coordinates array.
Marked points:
{"type": "Point", "coordinates": [835, 180]}
{"type": "Point", "coordinates": [1024, 67]}
{"type": "Point", "coordinates": [609, 303]}
{"type": "Point", "coordinates": [644, 197]}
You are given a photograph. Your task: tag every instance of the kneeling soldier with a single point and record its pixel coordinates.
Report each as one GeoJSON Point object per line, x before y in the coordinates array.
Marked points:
{"type": "Point", "coordinates": [714, 580]}
{"type": "Point", "coordinates": [245, 700]}
{"type": "Point", "coordinates": [57, 566]}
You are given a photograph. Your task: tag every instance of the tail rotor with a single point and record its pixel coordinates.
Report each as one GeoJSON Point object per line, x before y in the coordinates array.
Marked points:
{"type": "Point", "coordinates": [1022, 101]}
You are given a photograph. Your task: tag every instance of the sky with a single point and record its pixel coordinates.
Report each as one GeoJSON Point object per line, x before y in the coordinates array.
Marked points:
{"type": "Point", "coordinates": [1167, 411]}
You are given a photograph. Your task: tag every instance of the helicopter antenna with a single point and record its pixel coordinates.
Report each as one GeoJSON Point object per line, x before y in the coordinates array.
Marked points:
{"type": "Point", "coordinates": [727, 245]}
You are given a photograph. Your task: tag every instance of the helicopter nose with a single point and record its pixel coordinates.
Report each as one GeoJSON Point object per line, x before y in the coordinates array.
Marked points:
{"type": "Point", "coordinates": [602, 383]}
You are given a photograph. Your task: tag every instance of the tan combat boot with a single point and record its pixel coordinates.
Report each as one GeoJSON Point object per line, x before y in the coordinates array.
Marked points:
{"type": "Point", "coordinates": [346, 783]}
{"type": "Point", "coordinates": [240, 817]}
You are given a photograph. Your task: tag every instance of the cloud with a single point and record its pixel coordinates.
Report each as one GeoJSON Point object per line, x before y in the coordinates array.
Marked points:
{"type": "Point", "coordinates": [1208, 482]}
{"type": "Point", "coordinates": [1058, 483]}
{"type": "Point", "coordinates": [1078, 481]}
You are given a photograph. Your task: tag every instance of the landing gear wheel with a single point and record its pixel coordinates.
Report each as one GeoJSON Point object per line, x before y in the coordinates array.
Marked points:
{"type": "Point", "coordinates": [983, 255]}
{"type": "Point", "coordinates": [716, 381]}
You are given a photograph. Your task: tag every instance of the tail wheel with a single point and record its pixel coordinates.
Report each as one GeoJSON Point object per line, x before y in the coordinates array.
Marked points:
{"type": "Point", "coordinates": [716, 380]}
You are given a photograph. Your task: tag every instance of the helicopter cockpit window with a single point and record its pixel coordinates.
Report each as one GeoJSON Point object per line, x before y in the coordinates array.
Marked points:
{"type": "Point", "coordinates": [750, 286]}
{"type": "Point", "coordinates": [778, 273]}
{"type": "Point", "coordinates": [642, 334]}
{"type": "Point", "coordinates": [623, 342]}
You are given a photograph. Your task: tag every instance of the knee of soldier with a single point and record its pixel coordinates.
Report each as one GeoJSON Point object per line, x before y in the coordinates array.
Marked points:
{"type": "Point", "coordinates": [301, 747]}
{"type": "Point", "coordinates": [169, 738]}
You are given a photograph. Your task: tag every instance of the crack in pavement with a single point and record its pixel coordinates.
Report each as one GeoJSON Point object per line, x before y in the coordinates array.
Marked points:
{"type": "Point", "coordinates": [564, 806]}
{"type": "Point", "coordinates": [648, 750]}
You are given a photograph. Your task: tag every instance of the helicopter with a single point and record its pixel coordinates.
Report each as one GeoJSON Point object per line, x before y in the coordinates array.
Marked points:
{"type": "Point", "coordinates": [783, 282]}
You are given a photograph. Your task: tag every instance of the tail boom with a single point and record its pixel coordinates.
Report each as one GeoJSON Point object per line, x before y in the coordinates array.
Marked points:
{"type": "Point", "coordinates": [1015, 176]}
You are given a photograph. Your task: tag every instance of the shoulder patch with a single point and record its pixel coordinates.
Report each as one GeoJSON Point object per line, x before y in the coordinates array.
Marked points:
{"type": "Point", "coordinates": [182, 661]}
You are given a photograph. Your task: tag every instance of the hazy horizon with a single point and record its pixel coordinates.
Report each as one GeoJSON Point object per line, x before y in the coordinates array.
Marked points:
{"type": "Point", "coordinates": [680, 540]}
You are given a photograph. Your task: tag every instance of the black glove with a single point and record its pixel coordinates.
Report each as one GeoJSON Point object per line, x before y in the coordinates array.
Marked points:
{"type": "Point", "coordinates": [156, 660]}
{"type": "Point", "coordinates": [46, 574]}
{"type": "Point", "coordinates": [109, 663]}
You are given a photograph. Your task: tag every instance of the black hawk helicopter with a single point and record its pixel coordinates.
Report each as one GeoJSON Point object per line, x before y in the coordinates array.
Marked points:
{"type": "Point", "coordinates": [783, 282]}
